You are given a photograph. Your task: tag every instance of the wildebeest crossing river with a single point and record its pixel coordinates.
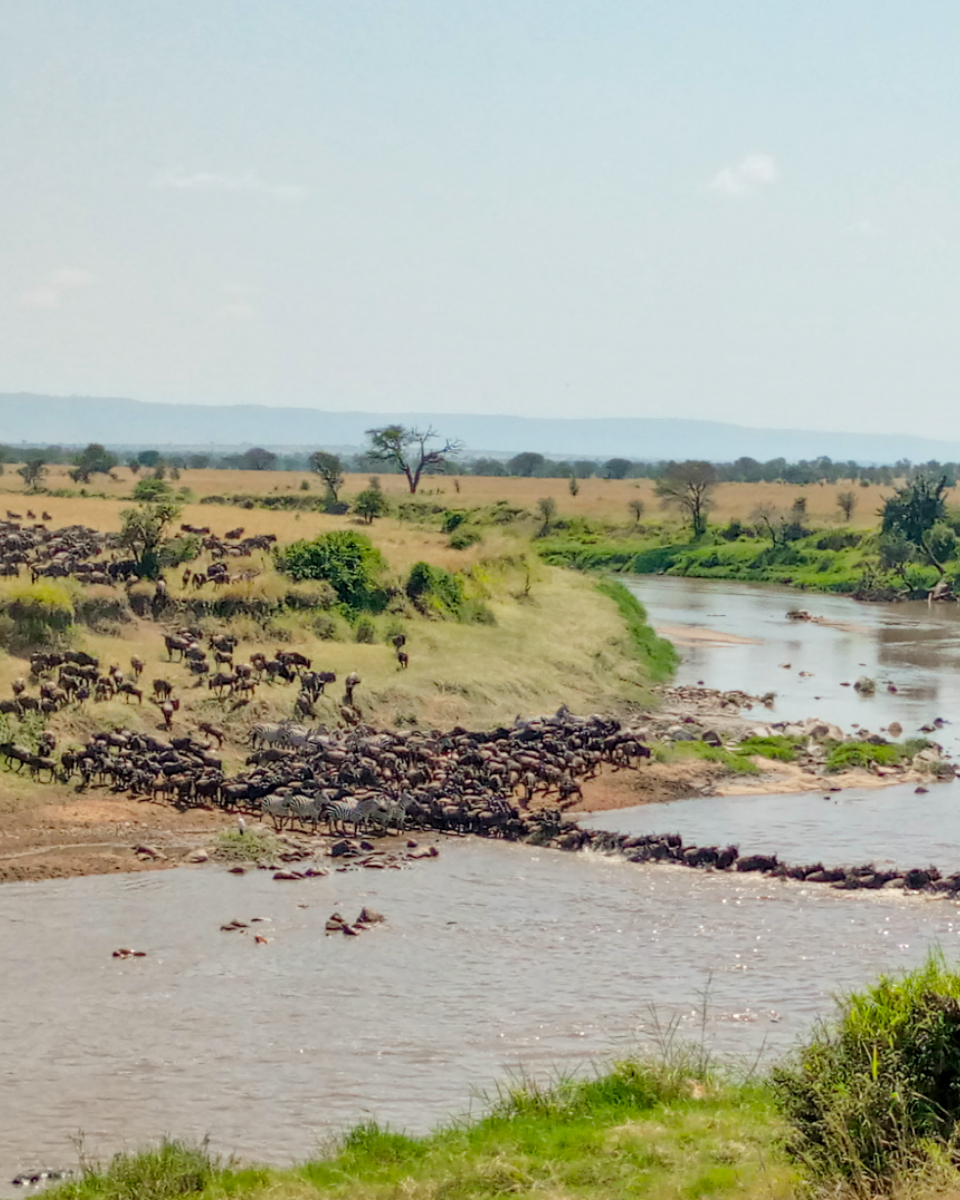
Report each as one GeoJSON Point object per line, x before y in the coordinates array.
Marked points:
{"type": "Point", "coordinates": [493, 955]}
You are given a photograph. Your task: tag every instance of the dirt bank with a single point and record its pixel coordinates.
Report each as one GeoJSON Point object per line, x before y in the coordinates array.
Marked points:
{"type": "Point", "coordinates": [51, 832]}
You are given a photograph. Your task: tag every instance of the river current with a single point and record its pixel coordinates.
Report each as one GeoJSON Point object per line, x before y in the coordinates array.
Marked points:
{"type": "Point", "coordinates": [494, 957]}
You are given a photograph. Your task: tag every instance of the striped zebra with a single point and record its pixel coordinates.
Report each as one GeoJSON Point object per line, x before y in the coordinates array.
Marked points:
{"type": "Point", "coordinates": [279, 809]}
{"type": "Point", "coordinates": [395, 810]}
{"type": "Point", "coordinates": [356, 813]}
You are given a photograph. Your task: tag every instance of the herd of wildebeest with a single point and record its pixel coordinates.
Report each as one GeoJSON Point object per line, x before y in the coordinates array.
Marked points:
{"type": "Point", "coordinates": [512, 782]}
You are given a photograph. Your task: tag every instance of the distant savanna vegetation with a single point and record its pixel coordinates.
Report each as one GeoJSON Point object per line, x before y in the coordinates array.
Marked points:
{"type": "Point", "coordinates": [872, 532]}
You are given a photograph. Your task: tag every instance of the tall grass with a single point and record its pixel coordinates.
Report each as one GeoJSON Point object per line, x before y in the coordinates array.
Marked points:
{"type": "Point", "coordinates": [875, 1093]}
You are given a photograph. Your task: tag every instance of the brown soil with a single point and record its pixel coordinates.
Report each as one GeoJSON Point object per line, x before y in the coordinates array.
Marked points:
{"type": "Point", "coordinates": [53, 832]}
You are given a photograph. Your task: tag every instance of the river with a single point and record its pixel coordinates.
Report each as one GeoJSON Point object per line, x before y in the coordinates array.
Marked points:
{"type": "Point", "coordinates": [494, 957]}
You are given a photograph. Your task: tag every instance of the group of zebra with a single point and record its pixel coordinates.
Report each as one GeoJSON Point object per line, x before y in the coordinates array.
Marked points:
{"type": "Point", "coordinates": [369, 812]}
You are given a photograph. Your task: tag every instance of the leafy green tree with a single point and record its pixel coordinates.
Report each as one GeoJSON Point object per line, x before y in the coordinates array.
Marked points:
{"type": "Point", "coordinates": [526, 464]}
{"type": "Point", "coordinates": [617, 468]}
{"type": "Point", "coordinates": [371, 502]}
{"type": "Point", "coordinates": [408, 451]}
{"type": "Point", "coordinates": [574, 485]}
{"type": "Point", "coordinates": [489, 466]}
{"type": "Point", "coordinates": [688, 487]}
{"type": "Point", "coordinates": [258, 459]}
{"type": "Point", "coordinates": [152, 489]}
{"type": "Point", "coordinates": [148, 458]}
{"type": "Point", "coordinates": [330, 469]}
{"type": "Point", "coordinates": [143, 532]}
{"type": "Point", "coordinates": [636, 508]}
{"type": "Point", "coordinates": [134, 466]}
{"type": "Point", "coordinates": [94, 460]}
{"type": "Point", "coordinates": [347, 560]}
{"type": "Point", "coordinates": [912, 512]}
{"type": "Point", "coordinates": [33, 472]}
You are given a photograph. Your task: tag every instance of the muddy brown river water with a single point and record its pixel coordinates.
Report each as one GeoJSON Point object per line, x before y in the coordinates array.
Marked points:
{"type": "Point", "coordinates": [494, 957]}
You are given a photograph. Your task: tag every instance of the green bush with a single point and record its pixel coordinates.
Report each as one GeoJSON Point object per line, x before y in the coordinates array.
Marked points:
{"type": "Point", "coordinates": [324, 627]}
{"type": "Point", "coordinates": [463, 538]}
{"type": "Point", "coordinates": [34, 615]}
{"type": "Point", "coordinates": [452, 520]}
{"type": "Point", "coordinates": [347, 560]}
{"type": "Point", "coordinates": [178, 550]}
{"type": "Point", "coordinates": [434, 591]}
{"type": "Point", "coordinates": [152, 489]}
{"type": "Point", "coordinates": [876, 1092]}
{"type": "Point", "coordinates": [365, 631]}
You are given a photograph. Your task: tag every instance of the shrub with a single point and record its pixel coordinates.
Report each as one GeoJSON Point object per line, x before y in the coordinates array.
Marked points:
{"type": "Point", "coordinates": [347, 560]}
{"type": "Point", "coordinates": [452, 520]}
{"type": "Point", "coordinates": [310, 594]}
{"type": "Point", "coordinates": [365, 631]}
{"type": "Point", "coordinates": [102, 610]}
{"type": "Point", "coordinates": [876, 1092]}
{"type": "Point", "coordinates": [434, 591]}
{"type": "Point", "coordinates": [179, 550]}
{"type": "Point", "coordinates": [324, 627]}
{"type": "Point", "coordinates": [463, 538]}
{"type": "Point", "coordinates": [152, 489]}
{"type": "Point", "coordinates": [35, 615]}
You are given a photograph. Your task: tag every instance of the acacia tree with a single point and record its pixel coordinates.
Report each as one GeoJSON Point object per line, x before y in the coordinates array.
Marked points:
{"type": "Point", "coordinates": [32, 473]}
{"type": "Point", "coordinates": [371, 502]}
{"type": "Point", "coordinates": [330, 470]}
{"type": "Point", "coordinates": [408, 451]}
{"type": "Point", "coordinates": [688, 486]}
{"type": "Point", "coordinates": [143, 531]}
{"type": "Point", "coordinates": [94, 460]}
{"type": "Point", "coordinates": [846, 502]}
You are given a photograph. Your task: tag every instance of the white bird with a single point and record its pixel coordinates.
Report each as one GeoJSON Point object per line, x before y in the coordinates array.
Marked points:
{"type": "Point", "coordinates": [241, 824]}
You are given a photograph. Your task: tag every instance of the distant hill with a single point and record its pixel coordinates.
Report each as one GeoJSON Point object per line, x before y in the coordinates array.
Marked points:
{"type": "Point", "coordinates": [132, 423]}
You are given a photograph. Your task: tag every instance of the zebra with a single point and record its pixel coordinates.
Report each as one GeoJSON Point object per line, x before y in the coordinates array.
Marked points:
{"type": "Point", "coordinates": [279, 809]}
{"type": "Point", "coordinates": [342, 813]}
{"type": "Point", "coordinates": [395, 810]}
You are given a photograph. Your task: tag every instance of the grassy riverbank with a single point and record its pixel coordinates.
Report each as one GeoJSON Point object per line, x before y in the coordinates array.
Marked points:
{"type": "Point", "coordinates": [638, 1130]}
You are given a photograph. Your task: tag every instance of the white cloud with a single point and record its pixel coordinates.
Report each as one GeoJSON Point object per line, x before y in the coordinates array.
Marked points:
{"type": "Point", "coordinates": [49, 293]}
{"type": "Point", "coordinates": [751, 172]}
{"type": "Point", "coordinates": [212, 181]}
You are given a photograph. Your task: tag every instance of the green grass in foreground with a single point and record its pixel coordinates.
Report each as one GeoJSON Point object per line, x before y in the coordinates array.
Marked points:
{"type": "Point", "coordinates": [637, 1130]}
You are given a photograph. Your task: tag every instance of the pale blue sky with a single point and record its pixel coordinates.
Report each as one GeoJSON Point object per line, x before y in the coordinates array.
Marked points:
{"type": "Point", "coordinates": [746, 211]}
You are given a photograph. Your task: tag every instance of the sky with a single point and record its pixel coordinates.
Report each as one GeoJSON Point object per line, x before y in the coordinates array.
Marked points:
{"type": "Point", "coordinates": [742, 211]}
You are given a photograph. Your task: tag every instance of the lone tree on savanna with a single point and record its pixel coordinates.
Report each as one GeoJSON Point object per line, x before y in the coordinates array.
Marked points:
{"type": "Point", "coordinates": [330, 470]}
{"type": "Point", "coordinates": [371, 502]}
{"type": "Point", "coordinates": [847, 502]}
{"type": "Point", "coordinates": [143, 531]}
{"type": "Point", "coordinates": [688, 487]}
{"type": "Point", "coordinates": [408, 451]}
{"type": "Point", "coordinates": [94, 460]}
{"type": "Point", "coordinates": [32, 473]}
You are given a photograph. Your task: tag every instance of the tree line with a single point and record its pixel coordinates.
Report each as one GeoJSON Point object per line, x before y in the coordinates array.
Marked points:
{"type": "Point", "coordinates": [397, 449]}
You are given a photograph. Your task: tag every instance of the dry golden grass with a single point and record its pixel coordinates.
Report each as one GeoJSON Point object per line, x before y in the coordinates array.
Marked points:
{"type": "Point", "coordinates": [565, 644]}
{"type": "Point", "coordinates": [606, 499]}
